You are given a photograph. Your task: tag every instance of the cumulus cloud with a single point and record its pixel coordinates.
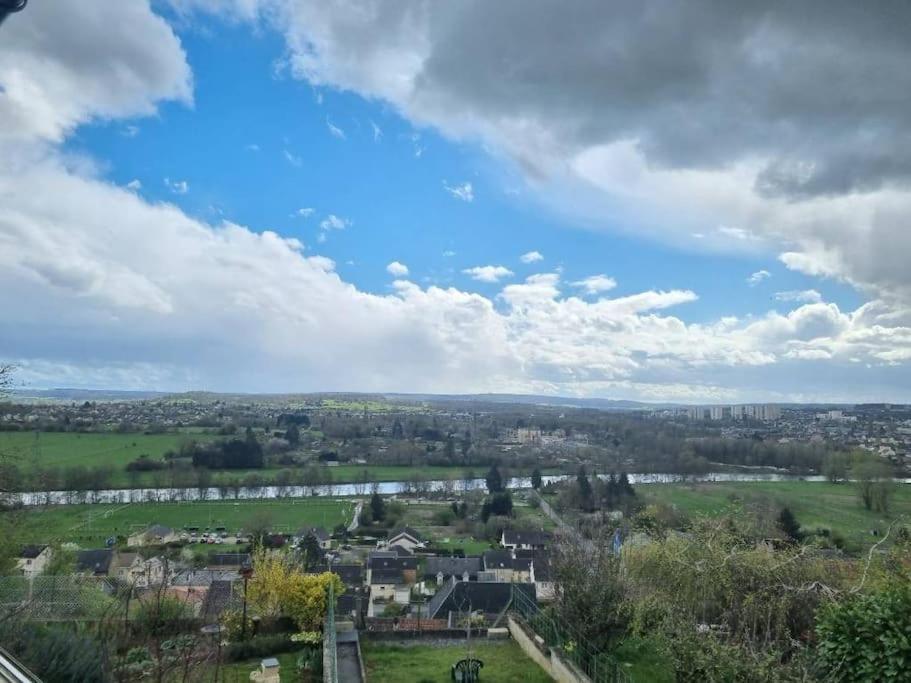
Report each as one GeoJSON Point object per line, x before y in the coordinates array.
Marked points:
{"type": "Point", "coordinates": [179, 303]}
{"type": "Point", "coordinates": [531, 257]}
{"type": "Point", "coordinates": [806, 296]}
{"type": "Point", "coordinates": [758, 277]}
{"type": "Point", "coordinates": [333, 222]}
{"type": "Point", "coordinates": [463, 191]}
{"type": "Point", "coordinates": [304, 212]}
{"type": "Point", "coordinates": [397, 269]}
{"type": "Point", "coordinates": [134, 185]}
{"type": "Point", "coordinates": [644, 113]}
{"type": "Point", "coordinates": [596, 284]}
{"type": "Point", "coordinates": [488, 273]}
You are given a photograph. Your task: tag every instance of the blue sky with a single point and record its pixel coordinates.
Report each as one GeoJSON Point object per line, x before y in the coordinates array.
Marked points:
{"type": "Point", "coordinates": [222, 197]}
{"type": "Point", "coordinates": [395, 199]}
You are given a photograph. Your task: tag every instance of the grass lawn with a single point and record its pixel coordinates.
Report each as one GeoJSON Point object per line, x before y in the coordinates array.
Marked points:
{"type": "Point", "coordinates": [815, 504]}
{"type": "Point", "coordinates": [504, 662]}
{"type": "Point", "coordinates": [90, 525]}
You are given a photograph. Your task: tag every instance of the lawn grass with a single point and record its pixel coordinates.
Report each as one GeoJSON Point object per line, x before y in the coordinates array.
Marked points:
{"type": "Point", "coordinates": [90, 525]}
{"type": "Point", "coordinates": [504, 662]}
{"type": "Point", "coordinates": [836, 507]}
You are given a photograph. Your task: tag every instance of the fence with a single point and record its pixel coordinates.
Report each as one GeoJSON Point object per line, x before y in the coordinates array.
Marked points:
{"type": "Point", "coordinates": [57, 598]}
{"type": "Point", "coordinates": [330, 646]}
{"type": "Point", "coordinates": [599, 666]}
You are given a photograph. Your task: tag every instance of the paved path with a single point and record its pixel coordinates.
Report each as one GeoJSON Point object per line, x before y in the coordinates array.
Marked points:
{"type": "Point", "coordinates": [349, 666]}
{"type": "Point", "coordinates": [357, 515]}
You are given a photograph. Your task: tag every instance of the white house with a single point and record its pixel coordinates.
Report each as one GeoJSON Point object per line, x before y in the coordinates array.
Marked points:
{"type": "Point", "coordinates": [407, 538]}
{"type": "Point", "coordinates": [33, 560]}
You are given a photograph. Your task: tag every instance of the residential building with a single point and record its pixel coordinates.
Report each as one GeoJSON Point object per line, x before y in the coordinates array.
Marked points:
{"type": "Point", "coordinates": [33, 559]}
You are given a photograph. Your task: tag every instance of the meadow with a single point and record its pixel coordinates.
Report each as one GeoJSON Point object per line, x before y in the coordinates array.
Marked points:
{"type": "Point", "coordinates": [90, 525]}
{"type": "Point", "coordinates": [70, 449]}
{"type": "Point", "coordinates": [816, 505]}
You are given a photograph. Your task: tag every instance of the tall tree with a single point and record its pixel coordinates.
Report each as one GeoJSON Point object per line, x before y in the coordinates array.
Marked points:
{"type": "Point", "coordinates": [586, 498]}
{"type": "Point", "coordinates": [377, 507]}
{"type": "Point", "coordinates": [536, 479]}
{"type": "Point", "coordinates": [788, 524]}
{"type": "Point", "coordinates": [494, 480]}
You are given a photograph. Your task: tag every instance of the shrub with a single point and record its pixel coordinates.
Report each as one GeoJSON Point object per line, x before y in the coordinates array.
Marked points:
{"type": "Point", "coordinates": [865, 638]}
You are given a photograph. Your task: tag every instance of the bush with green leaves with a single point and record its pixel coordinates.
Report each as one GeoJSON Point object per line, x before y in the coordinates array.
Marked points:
{"type": "Point", "coordinates": [867, 637]}
{"type": "Point", "coordinates": [55, 653]}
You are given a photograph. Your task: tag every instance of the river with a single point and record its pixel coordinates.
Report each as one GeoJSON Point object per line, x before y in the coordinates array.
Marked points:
{"type": "Point", "coordinates": [162, 495]}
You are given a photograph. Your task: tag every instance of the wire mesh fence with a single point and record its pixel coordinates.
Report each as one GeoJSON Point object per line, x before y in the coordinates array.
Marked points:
{"type": "Point", "coordinates": [57, 598]}
{"type": "Point", "coordinates": [598, 665]}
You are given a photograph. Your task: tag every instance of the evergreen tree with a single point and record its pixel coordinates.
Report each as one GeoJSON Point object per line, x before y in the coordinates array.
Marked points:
{"type": "Point", "coordinates": [586, 499]}
{"type": "Point", "coordinates": [788, 523]}
{"type": "Point", "coordinates": [494, 480]}
{"type": "Point", "coordinates": [536, 479]}
{"type": "Point", "coordinates": [377, 507]}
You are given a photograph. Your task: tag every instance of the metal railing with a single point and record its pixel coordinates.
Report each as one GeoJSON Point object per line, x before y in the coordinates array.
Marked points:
{"type": "Point", "coordinates": [599, 666]}
{"type": "Point", "coordinates": [330, 646]}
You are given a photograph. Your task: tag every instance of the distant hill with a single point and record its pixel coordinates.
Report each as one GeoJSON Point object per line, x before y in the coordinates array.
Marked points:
{"type": "Point", "coordinates": [534, 399]}
{"type": "Point", "coordinates": [84, 395]}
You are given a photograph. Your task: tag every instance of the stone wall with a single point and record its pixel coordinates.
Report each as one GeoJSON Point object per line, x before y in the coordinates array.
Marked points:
{"type": "Point", "coordinates": [557, 666]}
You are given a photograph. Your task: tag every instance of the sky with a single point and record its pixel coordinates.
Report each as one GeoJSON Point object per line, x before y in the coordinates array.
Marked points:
{"type": "Point", "coordinates": [697, 202]}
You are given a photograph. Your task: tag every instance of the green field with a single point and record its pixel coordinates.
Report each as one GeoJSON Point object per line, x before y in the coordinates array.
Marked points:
{"type": "Point", "coordinates": [504, 662]}
{"type": "Point", "coordinates": [90, 525]}
{"type": "Point", "coordinates": [815, 504]}
{"type": "Point", "coordinates": [69, 449]}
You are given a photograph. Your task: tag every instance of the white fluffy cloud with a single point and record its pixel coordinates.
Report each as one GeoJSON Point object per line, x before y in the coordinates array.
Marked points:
{"type": "Point", "coordinates": [596, 284]}
{"type": "Point", "coordinates": [100, 287]}
{"type": "Point", "coordinates": [758, 277]}
{"type": "Point", "coordinates": [488, 273]}
{"type": "Point", "coordinates": [397, 269]}
{"type": "Point", "coordinates": [643, 114]}
{"type": "Point", "coordinates": [805, 296]}
{"type": "Point", "coordinates": [531, 257]}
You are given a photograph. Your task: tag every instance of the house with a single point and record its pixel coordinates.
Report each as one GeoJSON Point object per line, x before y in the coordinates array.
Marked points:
{"type": "Point", "coordinates": [228, 561]}
{"type": "Point", "coordinates": [521, 570]}
{"type": "Point", "coordinates": [352, 575]}
{"type": "Point", "coordinates": [94, 562]}
{"type": "Point", "coordinates": [191, 586]}
{"type": "Point", "coordinates": [438, 570]}
{"type": "Point", "coordinates": [525, 540]}
{"type": "Point", "coordinates": [387, 585]}
{"type": "Point", "coordinates": [497, 566]}
{"type": "Point", "coordinates": [33, 559]}
{"type": "Point", "coordinates": [134, 570]}
{"type": "Point", "coordinates": [542, 577]}
{"type": "Point", "coordinates": [464, 597]}
{"type": "Point", "coordinates": [408, 566]}
{"type": "Point", "coordinates": [319, 533]}
{"type": "Point", "coordinates": [219, 598]}
{"type": "Point", "coordinates": [156, 534]}
{"type": "Point", "coordinates": [406, 537]}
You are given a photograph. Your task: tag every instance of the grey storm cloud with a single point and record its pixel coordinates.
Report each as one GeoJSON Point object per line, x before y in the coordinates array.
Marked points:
{"type": "Point", "coordinates": [821, 89]}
